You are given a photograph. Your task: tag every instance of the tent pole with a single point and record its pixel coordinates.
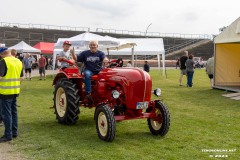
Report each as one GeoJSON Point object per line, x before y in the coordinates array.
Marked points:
{"type": "Point", "coordinates": [159, 65]}
{"type": "Point", "coordinates": [108, 53]}
{"type": "Point", "coordinates": [163, 64]}
{"type": "Point", "coordinates": [54, 60]}
{"type": "Point", "coordinates": [133, 56]}
{"type": "Point", "coordinates": [136, 58]}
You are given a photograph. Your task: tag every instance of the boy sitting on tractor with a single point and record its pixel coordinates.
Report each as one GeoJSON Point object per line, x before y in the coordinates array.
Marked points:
{"type": "Point", "coordinates": [65, 54]}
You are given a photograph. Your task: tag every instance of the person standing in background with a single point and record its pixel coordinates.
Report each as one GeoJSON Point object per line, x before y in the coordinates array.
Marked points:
{"type": "Point", "coordinates": [27, 62]}
{"type": "Point", "coordinates": [146, 67]}
{"type": "Point", "coordinates": [182, 64]}
{"type": "Point", "coordinates": [210, 70]}
{"type": "Point", "coordinates": [129, 64]}
{"type": "Point", "coordinates": [177, 63]}
{"type": "Point", "coordinates": [190, 70]}
{"type": "Point", "coordinates": [41, 65]}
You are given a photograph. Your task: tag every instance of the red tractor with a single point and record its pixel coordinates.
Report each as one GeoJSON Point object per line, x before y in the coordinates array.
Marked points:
{"type": "Point", "coordinates": [118, 94]}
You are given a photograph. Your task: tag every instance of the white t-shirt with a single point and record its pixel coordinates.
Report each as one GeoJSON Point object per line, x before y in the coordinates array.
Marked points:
{"type": "Point", "coordinates": [129, 65]}
{"type": "Point", "coordinates": [66, 55]}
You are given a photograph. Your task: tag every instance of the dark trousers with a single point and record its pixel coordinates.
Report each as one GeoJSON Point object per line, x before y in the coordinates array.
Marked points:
{"type": "Point", "coordinates": [189, 78]}
{"type": "Point", "coordinates": [1, 118]}
{"type": "Point", "coordinates": [10, 117]}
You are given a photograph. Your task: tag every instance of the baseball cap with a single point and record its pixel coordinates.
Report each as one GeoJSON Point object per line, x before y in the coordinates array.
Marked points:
{"type": "Point", "coordinates": [2, 49]}
{"type": "Point", "coordinates": [67, 42]}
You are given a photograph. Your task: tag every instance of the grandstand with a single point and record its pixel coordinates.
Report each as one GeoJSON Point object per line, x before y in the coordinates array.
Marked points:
{"type": "Point", "coordinates": [174, 43]}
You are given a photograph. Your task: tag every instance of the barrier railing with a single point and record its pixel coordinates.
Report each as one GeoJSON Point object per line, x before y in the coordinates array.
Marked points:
{"type": "Point", "coordinates": [155, 34]}
{"type": "Point", "coordinates": [43, 26]}
{"type": "Point", "coordinates": [101, 30]}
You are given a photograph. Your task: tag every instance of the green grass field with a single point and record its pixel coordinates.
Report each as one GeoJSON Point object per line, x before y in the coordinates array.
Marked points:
{"type": "Point", "coordinates": [200, 119]}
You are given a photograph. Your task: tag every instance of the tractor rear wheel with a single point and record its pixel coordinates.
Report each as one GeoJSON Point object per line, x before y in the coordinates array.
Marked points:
{"type": "Point", "coordinates": [66, 102]}
{"type": "Point", "coordinates": [161, 123]}
{"type": "Point", "coordinates": [105, 123]}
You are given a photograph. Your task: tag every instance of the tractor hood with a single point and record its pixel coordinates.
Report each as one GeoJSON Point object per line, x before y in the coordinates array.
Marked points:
{"type": "Point", "coordinates": [137, 83]}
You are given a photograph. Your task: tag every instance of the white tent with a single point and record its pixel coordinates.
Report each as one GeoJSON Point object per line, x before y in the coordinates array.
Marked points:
{"type": "Point", "coordinates": [80, 42]}
{"type": "Point", "coordinates": [145, 46]}
{"type": "Point", "coordinates": [231, 34]}
{"type": "Point", "coordinates": [23, 47]}
{"type": "Point", "coordinates": [121, 43]}
{"type": "Point", "coordinates": [139, 46]}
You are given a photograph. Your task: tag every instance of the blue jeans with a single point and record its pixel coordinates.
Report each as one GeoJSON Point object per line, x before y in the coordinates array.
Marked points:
{"type": "Point", "coordinates": [10, 117]}
{"type": "Point", "coordinates": [88, 75]}
{"type": "Point", "coordinates": [189, 78]}
{"type": "Point", "coordinates": [1, 118]}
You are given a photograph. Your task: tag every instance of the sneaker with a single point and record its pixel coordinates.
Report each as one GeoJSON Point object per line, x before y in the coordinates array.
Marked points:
{"type": "Point", "coordinates": [5, 139]}
{"type": "Point", "coordinates": [15, 136]}
{"type": "Point", "coordinates": [40, 79]}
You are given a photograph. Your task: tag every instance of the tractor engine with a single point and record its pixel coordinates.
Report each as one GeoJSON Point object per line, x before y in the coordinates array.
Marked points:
{"type": "Point", "coordinates": [123, 88]}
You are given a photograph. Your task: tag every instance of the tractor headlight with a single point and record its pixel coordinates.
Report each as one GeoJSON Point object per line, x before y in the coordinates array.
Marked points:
{"type": "Point", "coordinates": [115, 94]}
{"type": "Point", "coordinates": [157, 92]}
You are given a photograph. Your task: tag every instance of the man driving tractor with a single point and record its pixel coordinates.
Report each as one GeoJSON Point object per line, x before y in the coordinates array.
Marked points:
{"type": "Point", "coordinates": [92, 60]}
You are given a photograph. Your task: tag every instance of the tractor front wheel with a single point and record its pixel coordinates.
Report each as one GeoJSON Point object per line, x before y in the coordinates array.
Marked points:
{"type": "Point", "coordinates": [159, 125]}
{"type": "Point", "coordinates": [105, 123]}
{"type": "Point", "coordinates": [66, 102]}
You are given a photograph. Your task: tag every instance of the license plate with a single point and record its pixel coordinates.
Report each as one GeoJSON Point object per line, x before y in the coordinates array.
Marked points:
{"type": "Point", "coordinates": [142, 105]}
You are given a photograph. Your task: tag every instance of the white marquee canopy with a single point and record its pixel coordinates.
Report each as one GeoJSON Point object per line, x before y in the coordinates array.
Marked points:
{"type": "Point", "coordinates": [23, 47]}
{"type": "Point", "coordinates": [127, 46]}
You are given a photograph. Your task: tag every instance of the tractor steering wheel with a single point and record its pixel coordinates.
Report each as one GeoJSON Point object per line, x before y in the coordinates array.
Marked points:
{"type": "Point", "coordinates": [68, 61]}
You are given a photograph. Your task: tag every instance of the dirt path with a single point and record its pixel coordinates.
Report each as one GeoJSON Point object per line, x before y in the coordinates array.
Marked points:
{"type": "Point", "coordinates": [7, 152]}
{"type": "Point", "coordinates": [35, 72]}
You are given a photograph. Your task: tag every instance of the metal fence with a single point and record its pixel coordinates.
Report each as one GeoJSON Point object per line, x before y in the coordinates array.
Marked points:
{"type": "Point", "coordinates": [101, 30]}
{"type": "Point", "coordinates": [43, 26]}
{"type": "Point", "coordinates": [155, 34]}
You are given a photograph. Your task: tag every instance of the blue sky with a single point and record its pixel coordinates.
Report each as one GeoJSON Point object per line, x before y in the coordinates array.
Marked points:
{"type": "Point", "coordinates": [171, 16]}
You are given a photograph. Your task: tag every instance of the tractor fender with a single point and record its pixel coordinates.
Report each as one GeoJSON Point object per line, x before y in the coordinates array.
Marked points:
{"type": "Point", "coordinates": [59, 76]}
{"type": "Point", "coordinates": [63, 74]}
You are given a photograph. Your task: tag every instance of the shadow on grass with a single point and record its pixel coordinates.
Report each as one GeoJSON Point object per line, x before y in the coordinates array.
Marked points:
{"type": "Point", "coordinates": [83, 131]}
